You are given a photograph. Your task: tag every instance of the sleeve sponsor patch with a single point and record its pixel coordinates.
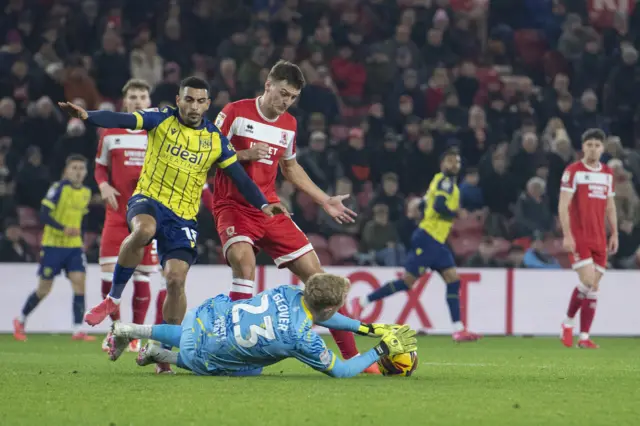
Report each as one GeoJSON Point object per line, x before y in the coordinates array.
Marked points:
{"type": "Point", "coordinates": [220, 119]}
{"type": "Point", "coordinates": [51, 194]}
{"type": "Point", "coordinates": [566, 176]}
{"type": "Point", "coordinates": [445, 185]}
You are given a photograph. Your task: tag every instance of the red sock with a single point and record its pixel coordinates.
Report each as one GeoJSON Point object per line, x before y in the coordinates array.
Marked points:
{"type": "Point", "coordinates": [577, 297]}
{"type": "Point", "coordinates": [141, 300]}
{"type": "Point", "coordinates": [588, 312]}
{"type": "Point", "coordinates": [345, 340]}
{"type": "Point", "coordinates": [106, 288]}
{"type": "Point", "coordinates": [162, 294]}
{"type": "Point", "coordinates": [241, 289]}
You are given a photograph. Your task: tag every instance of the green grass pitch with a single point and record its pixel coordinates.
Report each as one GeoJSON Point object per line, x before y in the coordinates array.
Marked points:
{"type": "Point", "coordinates": [50, 380]}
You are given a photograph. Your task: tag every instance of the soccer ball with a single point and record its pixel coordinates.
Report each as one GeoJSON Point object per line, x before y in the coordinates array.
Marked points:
{"type": "Point", "coordinates": [399, 365]}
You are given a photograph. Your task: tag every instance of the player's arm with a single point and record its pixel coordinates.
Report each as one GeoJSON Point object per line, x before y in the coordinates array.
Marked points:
{"type": "Point", "coordinates": [138, 120]}
{"type": "Point", "coordinates": [294, 173]}
{"type": "Point", "coordinates": [314, 353]}
{"type": "Point", "coordinates": [49, 204]}
{"type": "Point", "coordinates": [567, 189]}
{"type": "Point", "coordinates": [443, 192]}
{"type": "Point", "coordinates": [341, 322]}
{"type": "Point", "coordinates": [228, 162]}
{"type": "Point", "coordinates": [101, 173]}
{"type": "Point", "coordinates": [612, 219]}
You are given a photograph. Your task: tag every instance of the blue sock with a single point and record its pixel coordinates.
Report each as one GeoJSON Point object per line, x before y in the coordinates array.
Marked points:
{"type": "Point", "coordinates": [388, 289]}
{"type": "Point", "coordinates": [121, 276]}
{"type": "Point", "coordinates": [453, 300]}
{"type": "Point", "coordinates": [167, 334]}
{"type": "Point", "coordinates": [78, 308]}
{"type": "Point", "coordinates": [30, 304]}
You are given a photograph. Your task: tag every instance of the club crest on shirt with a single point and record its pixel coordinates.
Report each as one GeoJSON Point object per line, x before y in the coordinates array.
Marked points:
{"type": "Point", "coordinates": [220, 119]}
{"type": "Point", "coordinates": [283, 138]}
{"type": "Point", "coordinates": [205, 142]}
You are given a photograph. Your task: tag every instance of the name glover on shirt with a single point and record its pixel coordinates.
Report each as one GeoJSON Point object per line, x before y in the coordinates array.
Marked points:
{"type": "Point", "coordinates": [284, 316]}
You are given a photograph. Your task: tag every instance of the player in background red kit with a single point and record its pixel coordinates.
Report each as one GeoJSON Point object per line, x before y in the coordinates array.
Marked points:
{"type": "Point", "coordinates": [586, 199]}
{"type": "Point", "coordinates": [118, 165]}
{"type": "Point", "coordinates": [263, 134]}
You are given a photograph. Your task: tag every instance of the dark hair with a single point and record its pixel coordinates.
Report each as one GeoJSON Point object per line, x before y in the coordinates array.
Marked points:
{"type": "Point", "coordinates": [596, 134]}
{"type": "Point", "coordinates": [289, 72]}
{"type": "Point", "coordinates": [472, 171]}
{"type": "Point", "coordinates": [195, 83]}
{"type": "Point", "coordinates": [75, 157]}
{"type": "Point", "coordinates": [137, 84]}
{"type": "Point", "coordinates": [454, 150]}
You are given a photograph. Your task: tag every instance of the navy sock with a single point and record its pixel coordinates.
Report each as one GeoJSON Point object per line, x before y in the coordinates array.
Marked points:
{"type": "Point", "coordinates": [78, 308]}
{"type": "Point", "coordinates": [30, 304]}
{"type": "Point", "coordinates": [388, 289]}
{"type": "Point", "coordinates": [167, 334]}
{"type": "Point", "coordinates": [121, 276]}
{"type": "Point", "coordinates": [453, 300]}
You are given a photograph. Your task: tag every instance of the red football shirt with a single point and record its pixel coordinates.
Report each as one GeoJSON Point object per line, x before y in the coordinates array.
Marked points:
{"type": "Point", "coordinates": [591, 187]}
{"type": "Point", "coordinates": [121, 152]}
{"type": "Point", "coordinates": [243, 124]}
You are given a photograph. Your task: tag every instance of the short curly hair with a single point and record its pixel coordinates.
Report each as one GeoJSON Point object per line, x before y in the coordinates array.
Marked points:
{"type": "Point", "coordinates": [324, 290]}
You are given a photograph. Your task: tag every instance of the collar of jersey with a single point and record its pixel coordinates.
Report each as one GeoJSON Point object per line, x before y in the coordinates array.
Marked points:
{"type": "Point", "coordinates": [306, 308]}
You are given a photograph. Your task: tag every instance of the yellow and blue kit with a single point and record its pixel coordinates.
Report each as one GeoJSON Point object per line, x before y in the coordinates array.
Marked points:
{"type": "Point", "coordinates": [64, 206]}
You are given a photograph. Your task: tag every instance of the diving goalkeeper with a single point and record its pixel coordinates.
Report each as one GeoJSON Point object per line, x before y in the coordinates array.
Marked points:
{"type": "Point", "coordinates": [223, 338]}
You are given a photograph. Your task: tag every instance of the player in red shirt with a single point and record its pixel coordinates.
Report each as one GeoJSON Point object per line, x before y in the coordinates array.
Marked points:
{"type": "Point", "coordinates": [586, 199]}
{"type": "Point", "coordinates": [263, 134]}
{"type": "Point", "coordinates": [118, 165]}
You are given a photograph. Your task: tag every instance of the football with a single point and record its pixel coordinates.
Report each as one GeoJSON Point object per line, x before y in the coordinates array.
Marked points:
{"type": "Point", "coordinates": [399, 365]}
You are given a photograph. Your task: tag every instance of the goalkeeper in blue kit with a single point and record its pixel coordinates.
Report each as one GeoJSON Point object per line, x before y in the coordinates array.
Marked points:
{"type": "Point", "coordinates": [226, 338]}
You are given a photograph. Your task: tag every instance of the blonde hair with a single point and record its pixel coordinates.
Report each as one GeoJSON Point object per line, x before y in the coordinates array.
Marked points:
{"type": "Point", "coordinates": [324, 290]}
{"type": "Point", "coordinates": [136, 84]}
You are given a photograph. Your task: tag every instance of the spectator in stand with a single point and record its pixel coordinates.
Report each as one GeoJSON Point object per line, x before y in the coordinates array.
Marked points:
{"type": "Point", "coordinates": [111, 66]}
{"type": "Point", "coordinates": [9, 125]}
{"type": "Point", "coordinates": [320, 162]}
{"type": "Point", "coordinates": [485, 256]}
{"type": "Point", "coordinates": [587, 116]}
{"type": "Point", "coordinates": [389, 196]}
{"type": "Point", "coordinates": [146, 64]}
{"type": "Point", "coordinates": [532, 214]}
{"type": "Point", "coordinates": [558, 158]}
{"type": "Point", "coordinates": [390, 158]}
{"type": "Point", "coordinates": [630, 158]}
{"type": "Point", "coordinates": [32, 180]}
{"type": "Point", "coordinates": [620, 95]}
{"type": "Point", "coordinates": [421, 165]}
{"type": "Point", "coordinates": [536, 257]}
{"type": "Point", "coordinates": [499, 191]}
{"type": "Point", "coordinates": [77, 83]}
{"type": "Point", "coordinates": [628, 209]}
{"type": "Point", "coordinates": [13, 248]}
{"type": "Point", "coordinates": [525, 162]}
{"type": "Point", "coordinates": [471, 197]}
{"type": "Point", "coordinates": [380, 239]}
{"type": "Point", "coordinates": [355, 159]}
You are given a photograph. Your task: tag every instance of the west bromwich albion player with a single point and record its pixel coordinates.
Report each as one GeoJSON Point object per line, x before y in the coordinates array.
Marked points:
{"type": "Point", "coordinates": [62, 212]}
{"type": "Point", "coordinates": [441, 207]}
{"type": "Point", "coordinates": [223, 337]}
{"type": "Point", "coordinates": [182, 147]}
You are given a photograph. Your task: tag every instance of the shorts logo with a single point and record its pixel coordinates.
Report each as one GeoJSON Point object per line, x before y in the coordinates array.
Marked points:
{"type": "Point", "coordinates": [220, 119]}
{"type": "Point", "coordinates": [231, 231]}
{"type": "Point", "coordinates": [325, 357]}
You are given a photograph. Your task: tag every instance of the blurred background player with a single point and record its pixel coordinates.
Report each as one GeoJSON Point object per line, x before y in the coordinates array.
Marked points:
{"type": "Point", "coordinates": [586, 199]}
{"type": "Point", "coordinates": [118, 165]}
{"type": "Point", "coordinates": [182, 146]}
{"type": "Point", "coordinates": [264, 133]}
{"type": "Point", "coordinates": [239, 338]}
{"type": "Point", "coordinates": [62, 212]}
{"type": "Point", "coordinates": [441, 207]}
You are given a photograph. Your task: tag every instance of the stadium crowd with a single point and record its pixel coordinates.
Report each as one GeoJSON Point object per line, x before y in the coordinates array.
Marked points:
{"type": "Point", "coordinates": [391, 85]}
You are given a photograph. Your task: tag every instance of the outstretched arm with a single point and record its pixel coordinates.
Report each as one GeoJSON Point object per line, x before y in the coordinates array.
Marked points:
{"type": "Point", "coordinates": [245, 185]}
{"type": "Point", "coordinates": [147, 119]}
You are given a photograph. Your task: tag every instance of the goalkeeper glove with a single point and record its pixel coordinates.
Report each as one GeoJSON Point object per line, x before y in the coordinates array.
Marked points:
{"type": "Point", "coordinates": [376, 330]}
{"type": "Point", "coordinates": [400, 341]}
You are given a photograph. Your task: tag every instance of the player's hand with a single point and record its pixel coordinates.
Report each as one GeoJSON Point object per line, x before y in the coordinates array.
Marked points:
{"type": "Point", "coordinates": [274, 209]}
{"type": "Point", "coordinates": [109, 194]}
{"type": "Point", "coordinates": [259, 151]}
{"type": "Point", "coordinates": [377, 330]}
{"type": "Point", "coordinates": [396, 342]}
{"type": "Point", "coordinates": [569, 244]}
{"type": "Point", "coordinates": [613, 244]}
{"type": "Point", "coordinates": [338, 211]}
{"type": "Point", "coordinates": [71, 232]}
{"type": "Point", "coordinates": [74, 110]}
